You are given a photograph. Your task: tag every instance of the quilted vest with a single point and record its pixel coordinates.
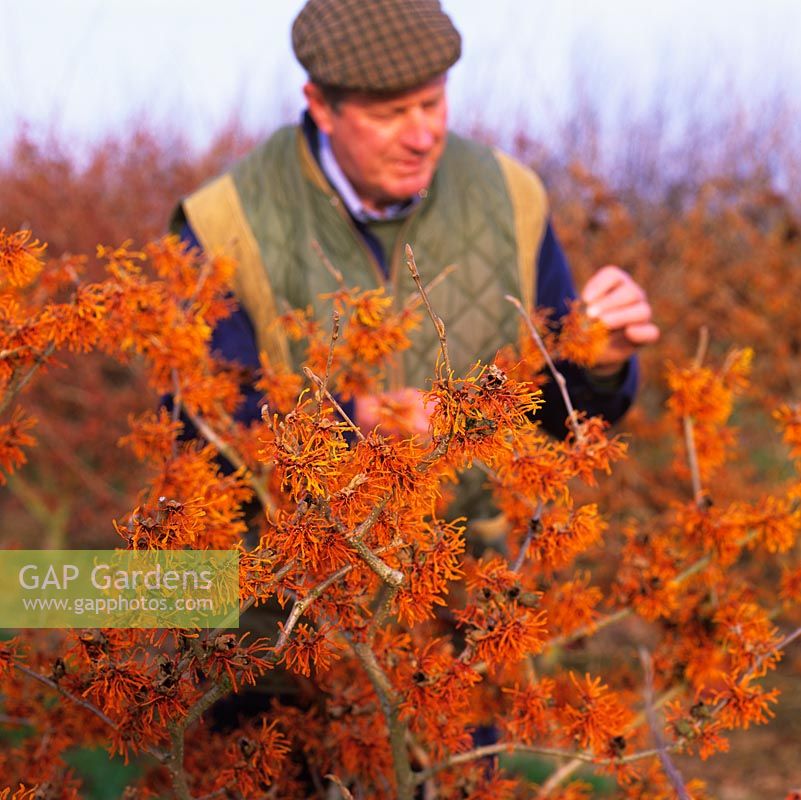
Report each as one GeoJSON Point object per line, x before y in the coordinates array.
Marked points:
{"type": "Point", "coordinates": [484, 213]}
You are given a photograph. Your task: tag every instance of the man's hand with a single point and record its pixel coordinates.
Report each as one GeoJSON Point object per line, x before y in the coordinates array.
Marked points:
{"type": "Point", "coordinates": [400, 412]}
{"type": "Point", "coordinates": [613, 297]}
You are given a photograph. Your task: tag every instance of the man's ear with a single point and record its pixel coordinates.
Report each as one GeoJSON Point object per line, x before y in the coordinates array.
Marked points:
{"type": "Point", "coordinates": [321, 112]}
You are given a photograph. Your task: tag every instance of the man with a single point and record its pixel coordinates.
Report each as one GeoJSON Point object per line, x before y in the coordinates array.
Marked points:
{"type": "Point", "coordinates": [371, 167]}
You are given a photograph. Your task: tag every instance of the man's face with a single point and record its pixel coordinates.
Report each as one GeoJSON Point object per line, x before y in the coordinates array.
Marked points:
{"type": "Point", "coordinates": [387, 146]}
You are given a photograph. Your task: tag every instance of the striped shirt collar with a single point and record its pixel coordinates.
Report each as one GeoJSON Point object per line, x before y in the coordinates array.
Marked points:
{"type": "Point", "coordinates": [348, 194]}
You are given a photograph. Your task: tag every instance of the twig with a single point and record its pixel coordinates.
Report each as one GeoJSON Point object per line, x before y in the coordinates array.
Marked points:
{"type": "Point", "coordinates": [439, 325]}
{"type": "Point", "coordinates": [301, 605]}
{"type": "Point", "coordinates": [355, 539]}
{"type": "Point", "coordinates": [533, 527]}
{"type": "Point", "coordinates": [415, 298]}
{"type": "Point", "coordinates": [404, 777]}
{"type": "Point", "coordinates": [689, 428]}
{"type": "Point", "coordinates": [703, 344]}
{"type": "Point", "coordinates": [590, 628]}
{"type": "Point", "coordinates": [221, 792]}
{"type": "Point", "coordinates": [5, 719]}
{"type": "Point", "coordinates": [557, 376]}
{"type": "Point", "coordinates": [391, 576]}
{"type": "Point", "coordinates": [157, 754]}
{"type": "Point", "coordinates": [363, 528]}
{"type": "Point", "coordinates": [66, 693]}
{"type": "Point", "coordinates": [381, 605]}
{"type": "Point", "coordinates": [19, 382]}
{"type": "Point", "coordinates": [233, 456]}
{"type": "Point", "coordinates": [692, 461]}
{"type": "Point", "coordinates": [337, 275]}
{"type": "Point", "coordinates": [669, 768]}
{"type": "Point", "coordinates": [177, 404]}
{"type": "Point", "coordinates": [344, 791]}
{"type": "Point", "coordinates": [219, 689]}
{"type": "Point", "coordinates": [791, 637]}
{"type": "Point", "coordinates": [519, 747]}
{"type": "Point", "coordinates": [203, 276]}
{"type": "Point", "coordinates": [14, 351]}
{"type": "Point", "coordinates": [323, 385]}
{"type": "Point", "coordinates": [341, 411]}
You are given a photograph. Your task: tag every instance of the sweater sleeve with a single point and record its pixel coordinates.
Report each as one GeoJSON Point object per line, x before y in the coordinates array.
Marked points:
{"type": "Point", "coordinates": [555, 289]}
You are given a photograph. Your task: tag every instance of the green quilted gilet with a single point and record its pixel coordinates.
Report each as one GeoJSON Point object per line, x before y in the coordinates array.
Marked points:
{"type": "Point", "coordinates": [466, 219]}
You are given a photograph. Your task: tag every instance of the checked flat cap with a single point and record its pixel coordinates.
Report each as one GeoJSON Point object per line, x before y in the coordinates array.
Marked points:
{"type": "Point", "coordinates": [375, 45]}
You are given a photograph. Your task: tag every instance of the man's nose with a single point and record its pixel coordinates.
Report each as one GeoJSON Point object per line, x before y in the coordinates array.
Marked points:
{"type": "Point", "coordinates": [418, 131]}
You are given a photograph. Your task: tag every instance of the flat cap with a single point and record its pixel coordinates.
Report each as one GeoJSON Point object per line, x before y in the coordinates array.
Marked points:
{"type": "Point", "coordinates": [375, 45]}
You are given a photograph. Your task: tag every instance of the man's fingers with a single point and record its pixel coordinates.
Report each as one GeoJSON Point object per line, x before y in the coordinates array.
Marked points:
{"type": "Point", "coordinates": [644, 333]}
{"type": "Point", "coordinates": [634, 314]}
{"type": "Point", "coordinates": [622, 294]}
{"type": "Point", "coordinates": [603, 281]}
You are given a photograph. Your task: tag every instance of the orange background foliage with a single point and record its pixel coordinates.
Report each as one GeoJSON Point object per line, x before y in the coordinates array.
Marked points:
{"type": "Point", "coordinates": [723, 252]}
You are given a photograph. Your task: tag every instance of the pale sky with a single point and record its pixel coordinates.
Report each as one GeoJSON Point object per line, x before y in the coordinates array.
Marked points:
{"type": "Point", "coordinates": [87, 67]}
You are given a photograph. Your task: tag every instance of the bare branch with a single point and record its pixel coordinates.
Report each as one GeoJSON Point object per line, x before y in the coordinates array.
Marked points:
{"type": "Point", "coordinates": [333, 271]}
{"type": "Point", "coordinates": [393, 577]}
{"type": "Point", "coordinates": [344, 791]}
{"type": "Point", "coordinates": [157, 754]}
{"type": "Point", "coordinates": [341, 411]}
{"type": "Point", "coordinates": [415, 298]}
{"type": "Point", "coordinates": [669, 768]}
{"type": "Point", "coordinates": [439, 325]}
{"type": "Point", "coordinates": [703, 345]}
{"type": "Point", "coordinates": [301, 605]}
{"type": "Point", "coordinates": [689, 433]}
{"type": "Point", "coordinates": [230, 453]}
{"type": "Point", "coordinates": [19, 382]}
{"type": "Point", "coordinates": [519, 747]}
{"type": "Point", "coordinates": [397, 730]}
{"type": "Point", "coordinates": [533, 527]}
{"type": "Point", "coordinates": [323, 386]}
{"type": "Point", "coordinates": [557, 376]}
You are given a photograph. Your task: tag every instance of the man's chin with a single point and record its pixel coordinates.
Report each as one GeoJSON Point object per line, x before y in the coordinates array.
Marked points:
{"type": "Point", "coordinates": [409, 187]}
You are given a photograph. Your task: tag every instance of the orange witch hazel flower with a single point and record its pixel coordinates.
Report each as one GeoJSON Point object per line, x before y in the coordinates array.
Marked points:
{"type": "Point", "coordinates": [789, 419]}
{"type": "Point", "coordinates": [530, 715]}
{"type": "Point", "coordinates": [306, 450]}
{"type": "Point", "coordinates": [501, 625]}
{"type": "Point", "coordinates": [13, 437]}
{"type": "Point", "coordinates": [707, 395]}
{"type": "Point", "coordinates": [435, 562]}
{"type": "Point", "coordinates": [582, 339]}
{"type": "Point", "coordinates": [254, 760]}
{"type": "Point", "coordinates": [744, 704]}
{"type": "Point", "coordinates": [591, 450]}
{"type": "Point", "coordinates": [477, 415]}
{"type": "Point", "coordinates": [597, 718]}
{"type": "Point", "coordinates": [565, 532]}
{"type": "Point", "coordinates": [696, 729]}
{"type": "Point", "coordinates": [281, 386]}
{"type": "Point", "coordinates": [9, 653]}
{"type": "Point", "coordinates": [20, 258]}
{"type": "Point", "coordinates": [310, 647]}
{"type": "Point", "coordinates": [20, 793]}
